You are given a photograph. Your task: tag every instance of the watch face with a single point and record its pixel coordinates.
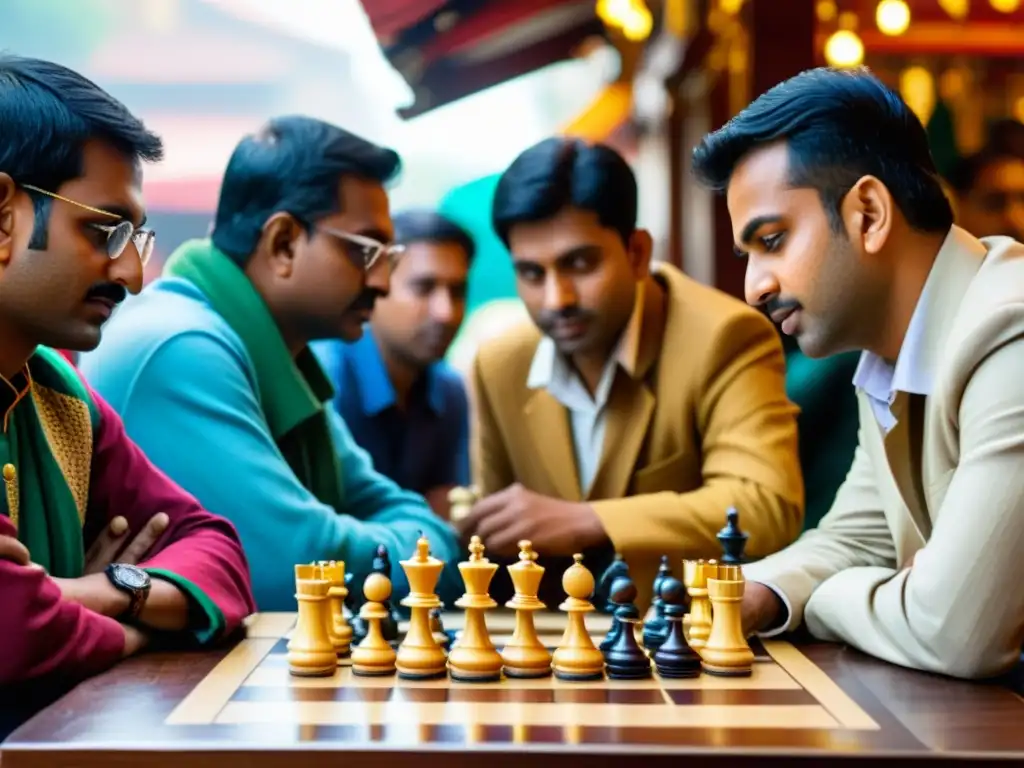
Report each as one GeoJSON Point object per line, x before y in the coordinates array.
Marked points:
{"type": "Point", "coordinates": [131, 577]}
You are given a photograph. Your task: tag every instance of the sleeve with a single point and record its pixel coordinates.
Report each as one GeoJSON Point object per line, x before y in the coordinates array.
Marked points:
{"type": "Point", "coordinates": [854, 534]}
{"type": "Point", "coordinates": [748, 442]}
{"type": "Point", "coordinates": [202, 424]}
{"type": "Point", "coordinates": [490, 463]}
{"type": "Point", "coordinates": [959, 610]}
{"type": "Point", "coordinates": [199, 552]}
{"type": "Point", "coordinates": [43, 635]}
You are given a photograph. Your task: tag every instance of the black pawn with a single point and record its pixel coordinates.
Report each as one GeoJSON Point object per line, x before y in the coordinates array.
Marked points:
{"type": "Point", "coordinates": [618, 569]}
{"type": "Point", "coordinates": [732, 539]}
{"type": "Point", "coordinates": [675, 658]}
{"type": "Point", "coordinates": [625, 659]}
{"type": "Point", "coordinates": [656, 628]}
{"type": "Point", "coordinates": [382, 565]}
{"type": "Point", "coordinates": [352, 603]}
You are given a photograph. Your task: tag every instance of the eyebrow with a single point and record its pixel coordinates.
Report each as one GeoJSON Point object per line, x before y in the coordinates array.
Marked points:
{"type": "Point", "coordinates": [751, 227]}
{"type": "Point", "coordinates": [121, 212]}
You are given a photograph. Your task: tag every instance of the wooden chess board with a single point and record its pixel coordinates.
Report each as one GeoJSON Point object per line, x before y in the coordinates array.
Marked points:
{"type": "Point", "coordinates": [252, 686]}
{"type": "Point", "coordinates": [805, 702]}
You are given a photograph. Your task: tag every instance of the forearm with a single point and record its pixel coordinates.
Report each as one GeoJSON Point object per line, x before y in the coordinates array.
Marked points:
{"type": "Point", "coordinates": [166, 607]}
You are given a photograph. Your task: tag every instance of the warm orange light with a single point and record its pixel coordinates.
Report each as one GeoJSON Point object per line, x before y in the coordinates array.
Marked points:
{"type": "Point", "coordinates": [1005, 6]}
{"type": "Point", "coordinates": [892, 17]}
{"type": "Point", "coordinates": [844, 49]}
{"type": "Point", "coordinates": [957, 9]}
{"type": "Point", "coordinates": [1018, 109]}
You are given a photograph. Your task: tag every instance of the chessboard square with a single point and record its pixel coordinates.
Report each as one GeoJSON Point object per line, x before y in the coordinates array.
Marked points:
{"type": "Point", "coordinates": [496, 714]}
{"type": "Point", "coordinates": [270, 625]}
{"type": "Point", "coordinates": [741, 697]}
{"type": "Point", "coordinates": [479, 694]}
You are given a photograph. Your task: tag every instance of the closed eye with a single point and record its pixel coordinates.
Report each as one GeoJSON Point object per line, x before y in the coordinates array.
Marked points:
{"type": "Point", "coordinates": [773, 242]}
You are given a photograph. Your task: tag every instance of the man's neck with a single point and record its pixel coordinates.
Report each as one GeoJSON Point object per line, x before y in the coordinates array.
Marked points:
{"type": "Point", "coordinates": [14, 352]}
{"type": "Point", "coordinates": [912, 263]}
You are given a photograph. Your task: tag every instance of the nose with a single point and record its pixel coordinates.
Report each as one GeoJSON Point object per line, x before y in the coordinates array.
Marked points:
{"type": "Point", "coordinates": [442, 306]}
{"type": "Point", "coordinates": [127, 270]}
{"type": "Point", "coordinates": [378, 276]}
{"type": "Point", "coordinates": [559, 292]}
{"type": "Point", "coordinates": [760, 284]}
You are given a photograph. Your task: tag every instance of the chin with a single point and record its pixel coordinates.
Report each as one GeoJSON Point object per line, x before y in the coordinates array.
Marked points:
{"type": "Point", "coordinates": [81, 340]}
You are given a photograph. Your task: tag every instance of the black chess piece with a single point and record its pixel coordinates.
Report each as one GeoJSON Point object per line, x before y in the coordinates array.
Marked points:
{"type": "Point", "coordinates": [732, 539]}
{"type": "Point", "coordinates": [656, 628]}
{"type": "Point", "coordinates": [625, 659]}
{"type": "Point", "coordinates": [619, 568]}
{"type": "Point", "coordinates": [353, 600]}
{"type": "Point", "coordinates": [675, 658]}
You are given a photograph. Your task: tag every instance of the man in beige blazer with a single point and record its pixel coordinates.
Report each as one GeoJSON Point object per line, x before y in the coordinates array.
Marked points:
{"type": "Point", "coordinates": [835, 202]}
{"type": "Point", "coordinates": [637, 407]}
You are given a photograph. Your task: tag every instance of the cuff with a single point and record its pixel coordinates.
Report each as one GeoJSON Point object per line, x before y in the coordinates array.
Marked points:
{"type": "Point", "coordinates": [212, 623]}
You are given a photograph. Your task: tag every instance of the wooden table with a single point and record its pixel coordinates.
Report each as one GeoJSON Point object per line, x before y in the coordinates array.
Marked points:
{"type": "Point", "coordinates": [805, 702]}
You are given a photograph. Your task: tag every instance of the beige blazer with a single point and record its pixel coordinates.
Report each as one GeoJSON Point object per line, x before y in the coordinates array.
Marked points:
{"type": "Point", "coordinates": [945, 486]}
{"type": "Point", "coordinates": [703, 423]}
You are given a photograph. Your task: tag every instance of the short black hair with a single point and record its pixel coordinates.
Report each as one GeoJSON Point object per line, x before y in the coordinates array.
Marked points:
{"type": "Point", "coordinates": [47, 114]}
{"type": "Point", "coordinates": [566, 172]}
{"type": "Point", "coordinates": [426, 226]}
{"type": "Point", "coordinates": [293, 164]}
{"type": "Point", "coordinates": [838, 126]}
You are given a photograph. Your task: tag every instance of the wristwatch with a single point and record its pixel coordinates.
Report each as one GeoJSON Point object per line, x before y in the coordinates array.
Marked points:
{"type": "Point", "coordinates": [134, 582]}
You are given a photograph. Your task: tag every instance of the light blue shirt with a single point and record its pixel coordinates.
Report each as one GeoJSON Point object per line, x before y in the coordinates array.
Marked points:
{"type": "Point", "coordinates": [185, 386]}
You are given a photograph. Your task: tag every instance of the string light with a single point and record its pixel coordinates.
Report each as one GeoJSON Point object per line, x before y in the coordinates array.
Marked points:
{"type": "Point", "coordinates": [892, 17]}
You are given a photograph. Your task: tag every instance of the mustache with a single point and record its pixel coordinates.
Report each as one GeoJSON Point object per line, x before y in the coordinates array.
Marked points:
{"type": "Point", "coordinates": [112, 292]}
{"type": "Point", "coordinates": [367, 299]}
{"type": "Point", "coordinates": [778, 304]}
{"type": "Point", "coordinates": [548, 318]}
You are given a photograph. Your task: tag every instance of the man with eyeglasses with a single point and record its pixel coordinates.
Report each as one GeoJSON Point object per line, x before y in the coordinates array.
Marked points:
{"type": "Point", "coordinates": [402, 401]}
{"type": "Point", "coordinates": [100, 553]}
{"type": "Point", "coordinates": [211, 369]}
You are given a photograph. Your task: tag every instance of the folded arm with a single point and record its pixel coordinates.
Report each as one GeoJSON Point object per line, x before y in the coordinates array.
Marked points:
{"type": "Point", "coordinates": [46, 635]}
{"type": "Point", "coordinates": [748, 436]}
{"type": "Point", "coordinates": [959, 610]}
{"type": "Point", "coordinates": [202, 424]}
{"type": "Point", "coordinates": [200, 573]}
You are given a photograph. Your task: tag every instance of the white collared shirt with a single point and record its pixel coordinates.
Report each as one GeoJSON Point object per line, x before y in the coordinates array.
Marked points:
{"type": "Point", "coordinates": [588, 415]}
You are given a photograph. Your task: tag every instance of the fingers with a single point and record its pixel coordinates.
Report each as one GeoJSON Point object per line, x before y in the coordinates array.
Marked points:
{"type": "Point", "coordinates": [107, 545]}
{"type": "Point", "coordinates": [484, 509]}
{"type": "Point", "coordinates": [144, 541]}
{"type": "Point", "coordinates": [13, 550]}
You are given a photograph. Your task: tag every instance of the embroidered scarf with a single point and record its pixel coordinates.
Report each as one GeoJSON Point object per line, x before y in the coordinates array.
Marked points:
{"type": "Point", "coordinates": [291, 391]}
{"type": "Point", "coordinates": [48, 441]}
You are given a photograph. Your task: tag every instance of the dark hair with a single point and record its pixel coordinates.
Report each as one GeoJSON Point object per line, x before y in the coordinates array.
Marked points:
{"type": "Point", "coordinates": [293, 164]}
{"type": "Point", "coordinates": [423, 226]}
{"type": "Point", "coordinates": [47, 115]}
{"type": "Point", "coordinates": [838, 125]}
{"type": "Point", "coordinates": [561, 172]}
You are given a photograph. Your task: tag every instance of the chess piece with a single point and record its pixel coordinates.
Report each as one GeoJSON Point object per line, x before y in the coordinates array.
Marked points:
{"type": "Point", "coordinates": [461, 501]}
{"type": "Point", "coordinates": [357, 625]}
{"type": "Point", "coordinates": [625, 659]}
{"type": "Point", "coordinates": [374, 655]}
{"type": "Point", "coordinates": [525, 655]}
{"type": "Point", "coordinates": [656, 628]}
{"type": "Point", "coordinates": [382, 565]}
{"type": "Point", "coordinates": [419, 654]}
{"type": "Point", "coordinates": [437, 629]}
{"type": "Point", "coordinates": [337, 626]}
{"type": "Point", "coordinates": [310, 651]}
{"type": "Point", "coordinates": [473, 658]}
{"type": "Point", "coordinates": [726, 651]}
{"type": "Point", "coordinates": [577, 658]}
{"type": "Point", "coordinates": [675, 658]}
{"type": "Point", "coordinates": [700, 606]}
{"type": "Point", "coordinates": [732, 539]}
{"type": "Point", "coordinates": [618, 569]}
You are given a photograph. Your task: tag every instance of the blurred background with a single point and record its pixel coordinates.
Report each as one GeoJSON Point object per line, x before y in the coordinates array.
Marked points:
{"type": "Point", "coordinates": [459, 87]}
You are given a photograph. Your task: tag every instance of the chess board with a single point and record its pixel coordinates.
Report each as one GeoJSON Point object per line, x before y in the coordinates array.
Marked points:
{"type": "Point", "coordinates": [251, 687]}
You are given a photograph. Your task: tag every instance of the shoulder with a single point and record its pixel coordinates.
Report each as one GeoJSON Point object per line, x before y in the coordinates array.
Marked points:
{"type": "Point", "coordinates": [509, 354]}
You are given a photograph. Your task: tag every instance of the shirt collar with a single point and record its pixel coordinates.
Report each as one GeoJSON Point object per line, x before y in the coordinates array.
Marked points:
{"type": "Point", "coordinates": [376, 392]}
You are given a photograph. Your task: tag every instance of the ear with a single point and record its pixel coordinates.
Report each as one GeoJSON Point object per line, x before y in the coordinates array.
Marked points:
{"type": "Point", "coordinates": [7, 192]}
{"type": "Point", "coordinates": [869, 211]}
{"type": "Point", "coordinates": [640, 248]}
{"type": "Point", "coordinates": [281, 233]}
